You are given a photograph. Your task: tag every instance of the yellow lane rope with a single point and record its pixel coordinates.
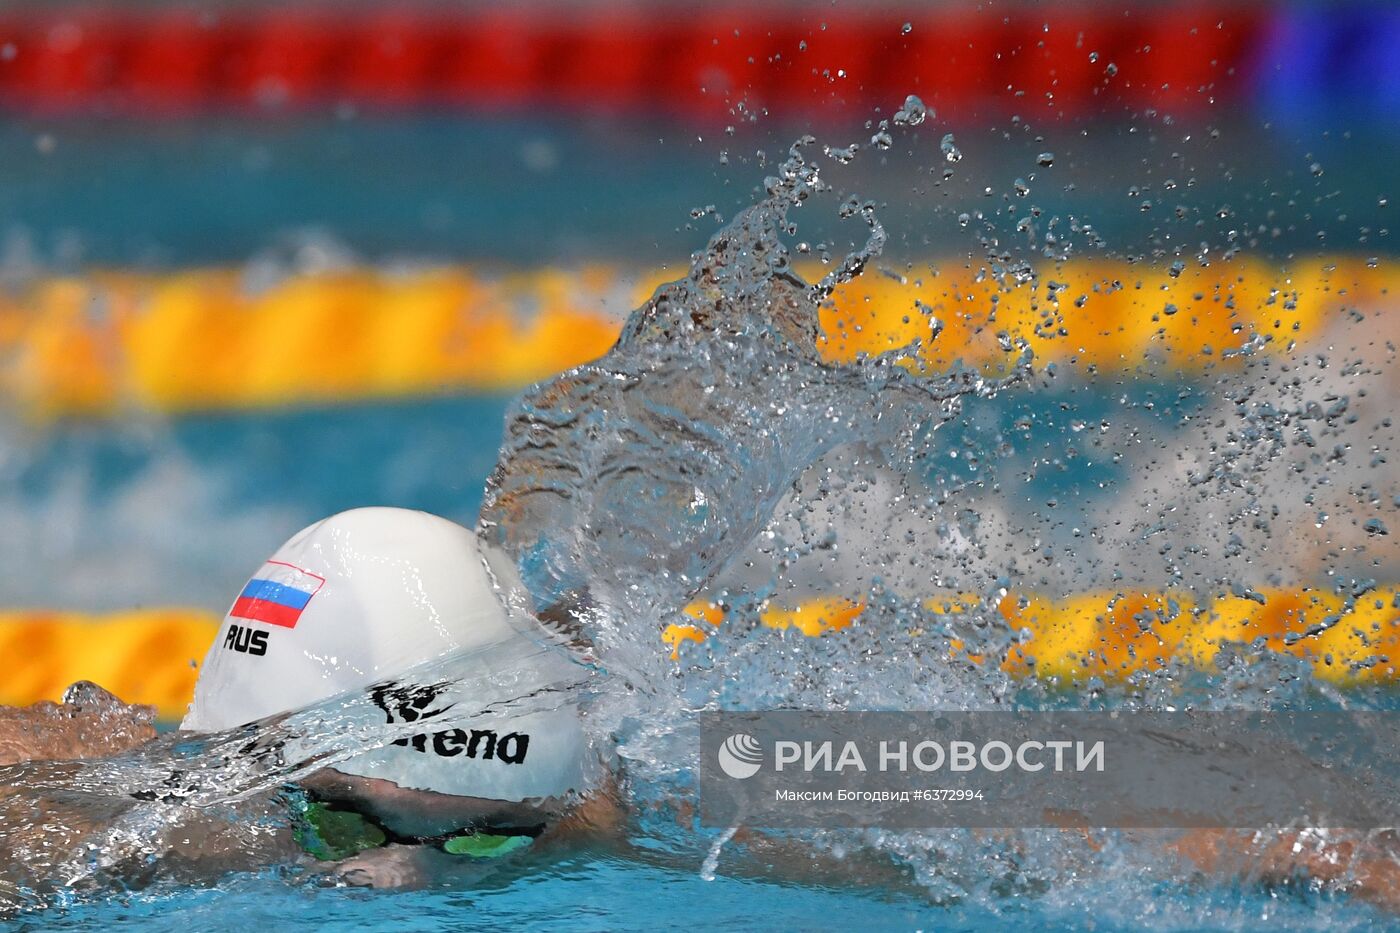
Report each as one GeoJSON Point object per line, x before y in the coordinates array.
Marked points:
{"type": "Point", "coordinates": [215, 339]}
{"type": "Point", "coordinates": [144, 656]}
{"type": "Point", "coordinates": [152, 655]}
{"type": "Point", "coordinates": [1112, 635]}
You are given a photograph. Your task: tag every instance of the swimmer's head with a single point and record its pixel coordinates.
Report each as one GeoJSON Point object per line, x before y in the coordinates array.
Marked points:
{"type": "Point", "coordinates": [353, 602]}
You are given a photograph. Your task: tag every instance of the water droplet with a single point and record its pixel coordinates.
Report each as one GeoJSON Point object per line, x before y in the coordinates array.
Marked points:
{"type": "Point", "coordinates": [842, 155]}
{"type": "Point", "coordinates": [1093, 56]}
{"type": "Point", "coordinates": [906, 29]}
{"type": "Point", "coordinates": [951, 152]}
{"type": "Point", "coordinates": [1111, 69]}
{"type": "Point", "coordinates": [1315, 168]}
{"type": "Point", "coordinates": [1045, 159]}
{"type": "Point", "coordinates": [1376, 527]}
{"type": "Point", "coordinates": [912, 113]}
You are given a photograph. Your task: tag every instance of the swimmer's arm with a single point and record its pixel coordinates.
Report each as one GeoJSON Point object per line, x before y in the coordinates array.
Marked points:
{"type": "Point", "coordinates": [43, 829]}
{"type": "Point", "coordinates": [1363, 866]}
{"type": "Point", "coordinates": [198, 845]}
{"type": "Point", "coordinates": [1367, 867]}
{"type": "Point", "coordinates": [1357, 866]}
{"type": "Point", "coordinates": [600, 821]}
{"type": "Point", "coordinates": [89, 723]}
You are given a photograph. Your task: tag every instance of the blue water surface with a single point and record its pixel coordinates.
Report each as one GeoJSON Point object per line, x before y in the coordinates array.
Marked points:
{"type": "Point", "coordinates": [606, 894]}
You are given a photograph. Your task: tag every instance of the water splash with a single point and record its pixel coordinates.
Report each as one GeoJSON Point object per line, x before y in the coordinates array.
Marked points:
{"type": "Point", "coordinates": [623, 488]}
{"type": "Point", "coordinates": [712, 451]}
{"type": "Point", "coordinates": [628, 484]}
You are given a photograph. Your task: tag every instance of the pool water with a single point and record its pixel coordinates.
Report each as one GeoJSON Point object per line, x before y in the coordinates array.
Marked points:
{"type": "Point", "coordinates": [607, 894]}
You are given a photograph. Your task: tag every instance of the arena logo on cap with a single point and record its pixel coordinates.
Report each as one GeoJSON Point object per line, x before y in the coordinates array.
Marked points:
{"type": "Point", "coordinates": [278, 595]}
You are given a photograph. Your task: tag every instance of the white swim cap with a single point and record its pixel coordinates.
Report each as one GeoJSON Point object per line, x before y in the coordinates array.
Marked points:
{"type": "Point", "coordinates": [355, 600]}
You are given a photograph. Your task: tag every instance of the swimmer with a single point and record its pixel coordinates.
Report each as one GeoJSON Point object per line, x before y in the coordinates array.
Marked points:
{"type": "Point", "coordinates": [354, 601]}
{"type": "Point", "coordinates": [349, 604]}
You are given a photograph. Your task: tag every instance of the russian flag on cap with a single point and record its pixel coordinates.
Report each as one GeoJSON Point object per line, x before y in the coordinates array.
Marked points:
{"type": "Point", "coordinates": [277, 594]}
